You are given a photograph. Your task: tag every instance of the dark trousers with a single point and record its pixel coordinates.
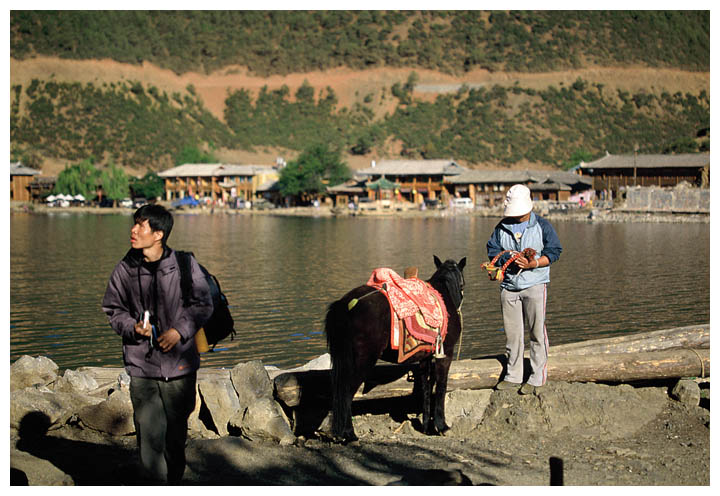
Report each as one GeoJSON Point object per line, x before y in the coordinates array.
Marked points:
{"type": "Point", "coordinates": [160, 411]}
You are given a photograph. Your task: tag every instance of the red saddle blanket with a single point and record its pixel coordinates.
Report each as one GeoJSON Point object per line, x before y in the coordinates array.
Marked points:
{"type": "Point", "coordinates": [418, 311]}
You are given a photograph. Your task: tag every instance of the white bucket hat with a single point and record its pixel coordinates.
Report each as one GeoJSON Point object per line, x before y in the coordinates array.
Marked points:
{"type": "Point", "coordinates": [517, 201]}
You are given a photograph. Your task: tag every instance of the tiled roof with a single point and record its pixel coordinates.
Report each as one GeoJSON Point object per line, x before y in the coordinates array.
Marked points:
{"type": "Point", "coordinates": [352, 186]}
{"type": "Point", "coordinates": [490, 176]}
{"type": "Point", "coordinates": [549, 186]}
{"type": "Point", "coordinates": [510, 176]}
{"type": "Point", "coordinates": [693, 160]}
{"type": "Point", "coordinates": [209, 170]}
{"type": "Point", "coordinates": [414, 168]}
{"type": "Point", "coordinates": [268, 186]}
{"type": "Point", "coordinates": [18, 169]}
{"type": "Point", "coordinates": [561, 177]}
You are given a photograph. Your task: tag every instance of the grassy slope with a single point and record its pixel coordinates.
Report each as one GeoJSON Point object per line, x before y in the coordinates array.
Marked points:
{"type": "Point", "coordinates": [350, 87]}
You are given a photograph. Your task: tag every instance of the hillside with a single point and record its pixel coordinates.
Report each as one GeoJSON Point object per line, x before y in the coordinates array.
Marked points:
{"type": "Point", "coordinates": [350, 86]}
{"type": "Point", "coordinates": [66, 107]}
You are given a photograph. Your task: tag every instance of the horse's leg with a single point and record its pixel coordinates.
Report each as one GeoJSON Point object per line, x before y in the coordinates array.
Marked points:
{"type": "Point", "coordinates": [426, 377]}
{"type": "Point", "coordinates": [340, 336]}
{"type": "Point", "coordinates": [357, 337]}
{"type": "Point", "coordinates": [346, 432]}
{"type": "Point", "coordinates": [442, 368]}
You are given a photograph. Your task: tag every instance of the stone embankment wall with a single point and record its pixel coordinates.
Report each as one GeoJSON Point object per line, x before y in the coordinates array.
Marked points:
{"type": "Point", "coordinates": [681, 199]}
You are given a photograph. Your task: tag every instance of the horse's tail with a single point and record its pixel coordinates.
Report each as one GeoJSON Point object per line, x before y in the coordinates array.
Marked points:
{"type": "Point", "coordinates": [343, 361]}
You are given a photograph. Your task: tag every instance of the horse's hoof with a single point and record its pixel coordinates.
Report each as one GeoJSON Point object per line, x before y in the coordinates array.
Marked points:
{"type": "Point", "coordinates": [326, 437]}
{"type": "Point", "coordinates": [349, 439]}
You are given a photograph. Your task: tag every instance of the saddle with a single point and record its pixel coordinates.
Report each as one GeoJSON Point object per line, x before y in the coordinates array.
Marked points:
{"type": "Point", "coordinates": [419, 316]}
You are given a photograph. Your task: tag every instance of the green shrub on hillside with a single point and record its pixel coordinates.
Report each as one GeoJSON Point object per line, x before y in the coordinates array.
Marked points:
{"type": "Point", "coordinates": [480, 125]}
{"type": "Point", "coordinates": [119, 120]}
{"type": "Point", "coordinates": [138, 125]}
{"type": "Point", "coordinates": [283, 42]}
{"type": "Point", "coordinates": [484, 125]}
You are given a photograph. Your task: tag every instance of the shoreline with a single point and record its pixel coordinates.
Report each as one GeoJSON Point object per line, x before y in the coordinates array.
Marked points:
{"type": "Point", "coordinates": [647, 433]}
{"type": "Point", "coordinates": [591, 215]}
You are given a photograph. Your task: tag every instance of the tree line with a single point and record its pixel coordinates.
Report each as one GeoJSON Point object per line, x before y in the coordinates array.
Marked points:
{"type": "Point", "coordinates": [86, 179]}
{"type": "Point", "coordinates": [140, 126]}
{"type": "Point", "coordinates": [283, 42]}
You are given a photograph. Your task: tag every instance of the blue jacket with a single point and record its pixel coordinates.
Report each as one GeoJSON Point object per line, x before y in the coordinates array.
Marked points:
{"type": "Point", "coordinates": [539, 235]}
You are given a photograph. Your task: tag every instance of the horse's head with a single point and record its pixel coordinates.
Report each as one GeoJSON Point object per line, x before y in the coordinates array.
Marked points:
{"type": "Point", "coordinates": [450, 275]}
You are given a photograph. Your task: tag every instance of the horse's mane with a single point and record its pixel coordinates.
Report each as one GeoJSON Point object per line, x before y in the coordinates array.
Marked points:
{"type": "Point", "coordinates": [449, 277]}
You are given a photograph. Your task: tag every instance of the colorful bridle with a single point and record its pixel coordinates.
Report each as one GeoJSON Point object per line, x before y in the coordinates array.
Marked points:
{"type": "Point", "coordinates": [498, 273]}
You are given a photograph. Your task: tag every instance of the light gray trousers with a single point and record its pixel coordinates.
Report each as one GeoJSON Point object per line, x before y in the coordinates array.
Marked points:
{"type": "Point", "coordinates": [525, 310]}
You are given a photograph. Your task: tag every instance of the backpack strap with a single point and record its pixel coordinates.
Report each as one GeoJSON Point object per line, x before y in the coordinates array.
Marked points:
{"type": "Point", "coordinates": [186, 282]}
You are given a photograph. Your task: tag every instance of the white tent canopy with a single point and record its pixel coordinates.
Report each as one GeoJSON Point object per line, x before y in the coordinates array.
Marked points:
{"type": "Point", "coordinates": [51, 198]}
{"type": "Point", "coordinates": [79, 197]}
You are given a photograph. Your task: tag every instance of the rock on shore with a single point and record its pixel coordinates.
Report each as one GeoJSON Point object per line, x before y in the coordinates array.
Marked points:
{"type": "Point", "coordinates": [77, 428]}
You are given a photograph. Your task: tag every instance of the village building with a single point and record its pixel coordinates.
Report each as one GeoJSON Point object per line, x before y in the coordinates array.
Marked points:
{"type": "Point", "coordinates": [612, 173]}
{"type": "Point", "coordinates": [41, 187]}
{"type": "Point", "coordinates": [21, 177]}
{"type": "Point", "coordinates": [348, 193]}
{"type": "Point", "coordinates": [416, 180]}
{"type": "Point", "coordinates": [487, 187]}
{"type": "Point", "coordinates": [218, 182]}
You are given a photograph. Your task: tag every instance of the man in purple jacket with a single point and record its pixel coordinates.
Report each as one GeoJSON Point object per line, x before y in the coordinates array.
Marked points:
{"type": "Point", "coordinates": [144, 304]}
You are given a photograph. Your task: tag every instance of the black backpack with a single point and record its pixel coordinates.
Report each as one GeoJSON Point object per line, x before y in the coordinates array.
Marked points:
{"type": "Point", "coordinates": [220, 324]}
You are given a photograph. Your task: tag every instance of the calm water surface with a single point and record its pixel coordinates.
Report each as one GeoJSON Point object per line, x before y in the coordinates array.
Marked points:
{"type": "Point", "coordinates": [280, 274]}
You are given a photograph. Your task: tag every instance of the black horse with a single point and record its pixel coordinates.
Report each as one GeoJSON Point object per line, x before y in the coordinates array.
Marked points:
{"type": "Point", "coordinates": [359, 336]}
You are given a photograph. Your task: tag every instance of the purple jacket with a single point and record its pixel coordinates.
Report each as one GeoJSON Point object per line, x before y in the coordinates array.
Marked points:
{"type": "Point", "coordinates": [124, 308]}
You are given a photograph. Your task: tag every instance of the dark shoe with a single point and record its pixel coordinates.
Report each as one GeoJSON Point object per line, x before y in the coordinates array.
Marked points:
{"type": "Point", "coordinates": [506, 385]}
{"type": "Point", "coordinates": [527, 389]}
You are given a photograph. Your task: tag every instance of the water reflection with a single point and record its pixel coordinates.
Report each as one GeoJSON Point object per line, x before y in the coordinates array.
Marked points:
{"type": "Point", "coordinates": [281, 273]}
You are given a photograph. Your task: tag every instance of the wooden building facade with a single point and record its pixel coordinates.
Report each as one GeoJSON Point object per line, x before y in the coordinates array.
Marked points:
{"type": "Point", "coordinates": [615, 172]}
{"type": "Point", "coordinates": [216, 181]}
{"type": "Point", "coordinates": [487, 187]}
{"type": "Point", "coordinates": [21, 177]}
{"type": "Point", "coordinates": [417, 180]}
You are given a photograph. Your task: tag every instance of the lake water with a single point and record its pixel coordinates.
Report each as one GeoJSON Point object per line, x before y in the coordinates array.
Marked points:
{"type": "Point", "coordinates": [280, 273]}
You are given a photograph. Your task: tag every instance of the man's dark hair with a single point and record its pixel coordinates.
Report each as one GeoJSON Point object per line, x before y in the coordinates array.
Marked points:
{"type": "Point", "coordinates": [158, 218]}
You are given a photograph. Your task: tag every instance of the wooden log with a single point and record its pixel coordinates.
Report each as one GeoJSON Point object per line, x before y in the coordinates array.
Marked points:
{"type": "Point", "coordinates": [680, 337]}
{"type": "Point", "coordinates": [628, 367]}
{"type": "Point", "coordinates": [605, 367]}
{"type": "Point", "coordinates": [485, 373]}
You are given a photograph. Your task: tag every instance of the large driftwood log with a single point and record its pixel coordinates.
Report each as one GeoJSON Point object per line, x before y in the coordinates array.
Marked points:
{"type": "Point", "coordinates": [680, 337]}
{"type": "Point", "coordinates": [392, 380]}
{"type": "Point", "coordinates": [292, 389]}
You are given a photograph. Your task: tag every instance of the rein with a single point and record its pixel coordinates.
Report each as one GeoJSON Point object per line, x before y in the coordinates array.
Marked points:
{"type": "Point", "coordinates": [455, 287]}
{"type": "Point", "coordinates": [498, 273]}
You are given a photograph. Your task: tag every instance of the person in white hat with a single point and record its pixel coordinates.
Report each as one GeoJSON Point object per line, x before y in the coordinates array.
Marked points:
{"type": "Point", "coordinates": [523, 290]}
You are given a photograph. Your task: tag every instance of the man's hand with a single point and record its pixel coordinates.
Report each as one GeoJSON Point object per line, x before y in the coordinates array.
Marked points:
{"type": "Point", "coordinates": [168, 339]}
{"type": "Point", "coordinates": [524, 263]}
{"type": "Point", "coordinates": [143, 331]}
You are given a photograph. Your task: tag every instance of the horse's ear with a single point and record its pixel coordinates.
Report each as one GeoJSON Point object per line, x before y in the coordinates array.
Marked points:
{"type": "Point", "coordinates": [438, 263]}
{"type": "Point", "coordinates": [461, 264]}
